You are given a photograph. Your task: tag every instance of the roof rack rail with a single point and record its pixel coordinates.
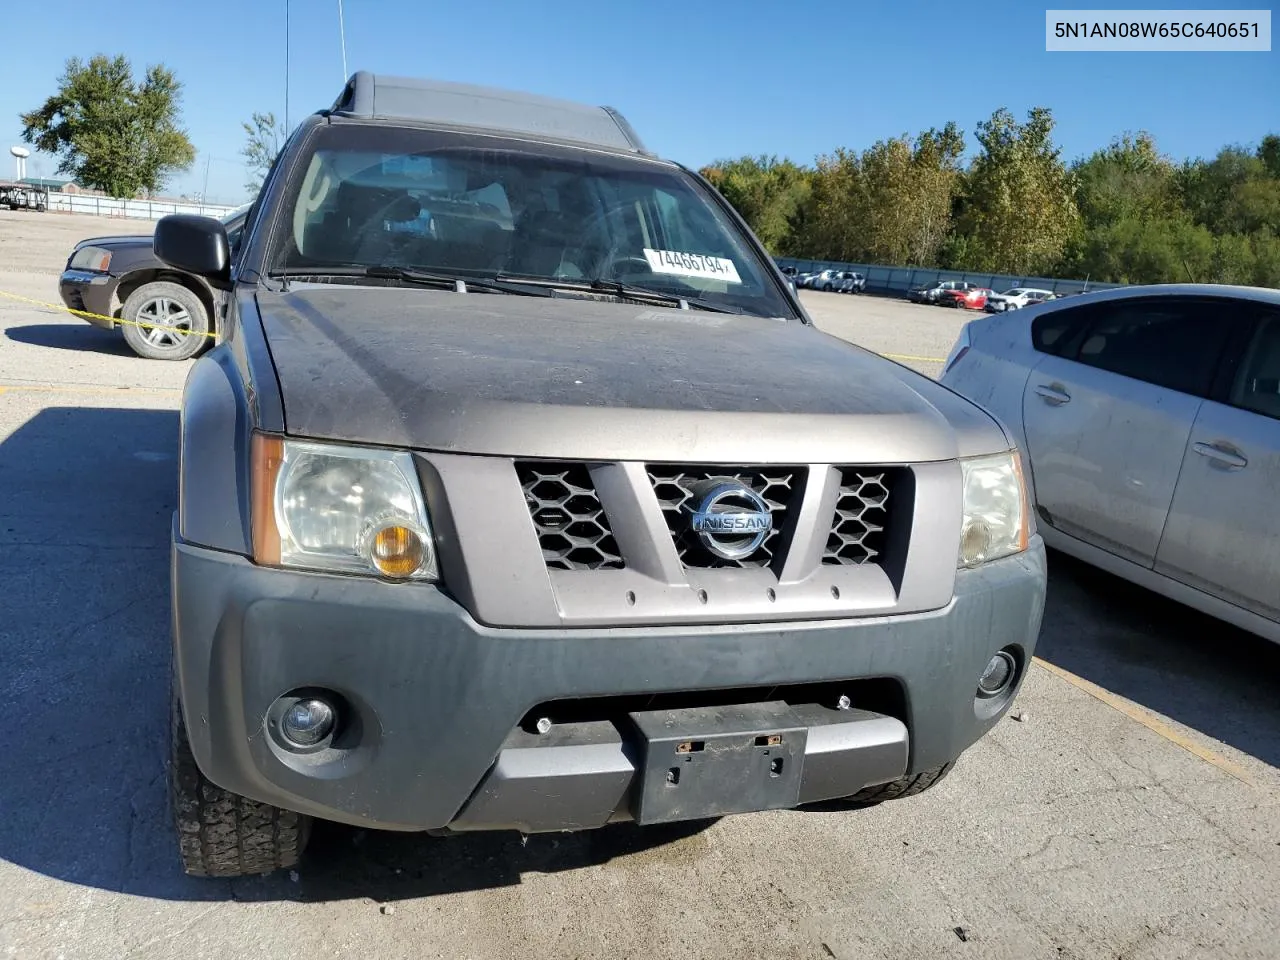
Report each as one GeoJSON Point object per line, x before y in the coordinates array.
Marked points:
{"type": "Point", "coordinates": [464, 105]}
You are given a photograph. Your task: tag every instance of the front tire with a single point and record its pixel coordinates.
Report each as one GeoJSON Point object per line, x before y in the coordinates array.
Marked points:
{"type": "Point", "coordinates": [906, 787]}
{"type": "Point", "coordinates": [221, 834]}
{"type": "Point", "coordinates": [874, 796]}
{"type": "Point", "coordinates": [164, 321]}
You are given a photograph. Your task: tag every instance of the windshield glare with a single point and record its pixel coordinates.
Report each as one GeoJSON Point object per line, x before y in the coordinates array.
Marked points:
{"type": "Point", "coordinates": [469, 205]}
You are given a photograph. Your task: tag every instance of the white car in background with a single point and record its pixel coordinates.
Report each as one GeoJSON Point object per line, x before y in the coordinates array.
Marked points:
{"type": "Point", "coordinates": [826, 280]}
{"type": "Point", "coordinates": [1149, 423]}
{"type": "Point", "coordinates": [1016, 299]}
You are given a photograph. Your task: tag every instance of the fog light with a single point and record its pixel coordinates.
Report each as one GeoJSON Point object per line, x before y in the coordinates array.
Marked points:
{"type": "Point", "coordinates": [307, 722]}
{"type": "Point", "coordinates": [999, 673]}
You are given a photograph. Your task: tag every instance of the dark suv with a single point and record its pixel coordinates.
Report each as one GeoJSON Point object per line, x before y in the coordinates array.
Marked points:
{"type": "Point", "coordinates": [522, 494]}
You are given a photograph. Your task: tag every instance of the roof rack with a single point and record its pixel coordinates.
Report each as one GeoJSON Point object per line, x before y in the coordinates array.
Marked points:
{"type": "Point", "coordinates": [458, 104]}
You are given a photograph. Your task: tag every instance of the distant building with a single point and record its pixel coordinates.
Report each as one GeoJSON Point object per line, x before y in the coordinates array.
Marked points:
{"type": "Point", "coordinates": [53, 186]}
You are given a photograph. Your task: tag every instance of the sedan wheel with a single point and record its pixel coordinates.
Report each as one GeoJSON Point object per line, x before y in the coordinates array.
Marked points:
{"type": "Point", "coordinates": [165, 321]}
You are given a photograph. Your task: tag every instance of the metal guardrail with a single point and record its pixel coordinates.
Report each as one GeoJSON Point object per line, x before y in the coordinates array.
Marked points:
{"type": "Point", "coordinates": [886, 279]}
{"type": "Point", "coordinates": [134, 209]}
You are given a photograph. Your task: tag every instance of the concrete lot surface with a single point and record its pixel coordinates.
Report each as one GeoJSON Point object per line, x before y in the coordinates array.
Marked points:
{"type": "Point", "coordinates": [1132, 812]}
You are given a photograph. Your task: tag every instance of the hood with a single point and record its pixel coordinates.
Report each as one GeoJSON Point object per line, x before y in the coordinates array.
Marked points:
{"type": "Point", "coordinates": [123, 240]}
{"type": "Point", "coordinates": [583, 379]}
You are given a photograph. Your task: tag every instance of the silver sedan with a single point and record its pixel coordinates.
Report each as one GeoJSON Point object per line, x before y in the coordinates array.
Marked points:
{"type": "Point", "coordinates": [1149, 423]}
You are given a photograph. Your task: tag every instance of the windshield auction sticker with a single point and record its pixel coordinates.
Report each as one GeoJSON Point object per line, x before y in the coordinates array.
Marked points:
{"type": "Point", "coordinates": [692, 265]}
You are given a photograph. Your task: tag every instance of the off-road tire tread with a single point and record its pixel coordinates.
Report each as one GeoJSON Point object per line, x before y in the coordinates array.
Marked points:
{"type": "Point", "coordinates": [906, 787]}
{"type": "Point", "coordinates": [221, 834]}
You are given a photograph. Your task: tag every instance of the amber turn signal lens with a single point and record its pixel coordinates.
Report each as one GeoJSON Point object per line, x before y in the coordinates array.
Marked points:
{"type": "Point", "coordinates": [397, 551]}
{"type": "Point", "coordinates": [267, 454]}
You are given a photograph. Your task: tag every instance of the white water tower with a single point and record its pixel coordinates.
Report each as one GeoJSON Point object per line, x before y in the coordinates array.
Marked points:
{"type": "Point", "coordinates": [20, 155]}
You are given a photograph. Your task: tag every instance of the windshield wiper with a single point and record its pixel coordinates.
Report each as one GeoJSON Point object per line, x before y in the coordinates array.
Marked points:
{"type": "Point", "coordinates": [444, 281]}
{"type": "Point", "coordinates": [631, 292]}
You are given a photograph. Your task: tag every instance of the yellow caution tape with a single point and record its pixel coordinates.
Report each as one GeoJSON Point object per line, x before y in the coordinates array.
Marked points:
{"type": "Point", "coordinates": [63, 308]}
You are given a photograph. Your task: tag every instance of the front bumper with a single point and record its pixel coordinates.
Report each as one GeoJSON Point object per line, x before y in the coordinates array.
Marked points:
{"type": "Point", "coordinates": [90, 292]}
{"type": "Point", "coordinates": [437, 699]}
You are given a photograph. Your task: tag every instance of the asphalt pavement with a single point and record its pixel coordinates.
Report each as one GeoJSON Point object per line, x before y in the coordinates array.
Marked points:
{"type": "Point", "coordinates": [1128, 808]}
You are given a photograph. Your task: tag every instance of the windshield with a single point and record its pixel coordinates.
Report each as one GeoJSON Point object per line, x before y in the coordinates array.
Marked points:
{"type": "Point", "coordinates": [471, 205]}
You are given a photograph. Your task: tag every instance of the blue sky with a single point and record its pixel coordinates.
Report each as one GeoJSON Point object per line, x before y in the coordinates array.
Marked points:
{"type": "Point", "coordinates": [698, 81]}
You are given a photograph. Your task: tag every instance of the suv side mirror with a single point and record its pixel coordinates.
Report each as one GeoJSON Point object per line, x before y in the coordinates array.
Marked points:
{"type": "Point", "coordinates": [195, 245]}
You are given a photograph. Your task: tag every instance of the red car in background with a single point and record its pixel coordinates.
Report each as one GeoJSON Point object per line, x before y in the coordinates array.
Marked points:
{"type": "Point", "coordinates": [973, 298]}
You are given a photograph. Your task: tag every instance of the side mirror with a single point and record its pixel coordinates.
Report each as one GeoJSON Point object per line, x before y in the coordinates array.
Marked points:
{"type": "Point", "coordinates": [195, 245]}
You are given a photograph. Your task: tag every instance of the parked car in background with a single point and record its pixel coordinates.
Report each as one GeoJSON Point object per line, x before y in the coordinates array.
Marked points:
{"type": "Point", "coordinates": [163, 313]}
{"type": "Point", "coordinates": [852, 282]}
{"type": "Point", "coordinates": [931, 292]}
{"type": "Point", "coordinates": [972, 298]}
{"type": "Point", "coordinates": [1015, 298]}
{"type": "Point", "coordinates": [1148, 418]}
{"type": "Point", "coordinates": [824, 280]}
{"type": "Point", "coordinates": [835, 282]}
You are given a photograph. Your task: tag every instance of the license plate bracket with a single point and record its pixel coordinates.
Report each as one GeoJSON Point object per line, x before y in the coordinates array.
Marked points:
{"type": "Point", "coordinates": [715, 761]}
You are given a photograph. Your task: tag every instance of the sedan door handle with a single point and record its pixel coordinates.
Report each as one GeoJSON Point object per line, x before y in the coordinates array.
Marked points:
{"type": "Point", "coordinates": [1226, 457]}
{"type": "Point", "coordinates": [1053, 394]}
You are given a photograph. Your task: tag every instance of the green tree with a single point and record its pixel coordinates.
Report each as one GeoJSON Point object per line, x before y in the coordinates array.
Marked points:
{"type": "Point", "coordinates": [909, 187]}
{"type": "Point", "coordinates": [1216, 192]}
{"type": "Point", "coordinates": [1020, 214]}
{"type": "Point", "coordinates": [1161, 250]}
{"type": "Point", "coordinates": [1129, 179]}
{"type": "Point", "coordinates": [263, 137]}
{"type": "Point", "coordinates": [109, 132]}
{"type": "Point", "coordinates": [1269, 154]}
{"type": "Point", "coordinates": [834, 218]}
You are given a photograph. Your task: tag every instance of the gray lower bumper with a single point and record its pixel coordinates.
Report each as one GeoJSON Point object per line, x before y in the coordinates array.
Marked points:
{"type": "Point", "coordinates": [435, 696]}
{"type": "Point", "coordinates": [588, 774]}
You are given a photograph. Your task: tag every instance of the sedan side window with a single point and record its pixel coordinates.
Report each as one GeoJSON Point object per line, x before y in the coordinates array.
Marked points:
{"type": "Point", "coordinates": [1052, 333]}
{"type": "Point", "coordinates": [1257, 385]}
{"type": "Point", "coordinates": [1167, 342]}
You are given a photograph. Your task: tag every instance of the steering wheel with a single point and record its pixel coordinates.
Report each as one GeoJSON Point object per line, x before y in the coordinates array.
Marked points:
{"type": "Point", "coordinates": [611, 266]}
{"type": "Point", "coordinates": [381, 243]}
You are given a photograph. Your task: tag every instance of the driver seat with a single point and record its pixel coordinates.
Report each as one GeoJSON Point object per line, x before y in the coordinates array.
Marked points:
{"type": "Point", "coordinates": [539, 242]}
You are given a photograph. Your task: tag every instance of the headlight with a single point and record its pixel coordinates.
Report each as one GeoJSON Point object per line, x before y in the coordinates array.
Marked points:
{"type": "Point", "coordinates": [996, 521]}
{"type": "Point", "coordinates": [322, 506]}
{"type": "Point", "coordinates": [91, 258]}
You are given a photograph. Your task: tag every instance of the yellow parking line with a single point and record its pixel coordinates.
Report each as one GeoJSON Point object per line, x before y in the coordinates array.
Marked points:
{"type": "Point", "coordinates": [1150, 721]}
{"type": "Point", "coordinates": [103, 391]}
